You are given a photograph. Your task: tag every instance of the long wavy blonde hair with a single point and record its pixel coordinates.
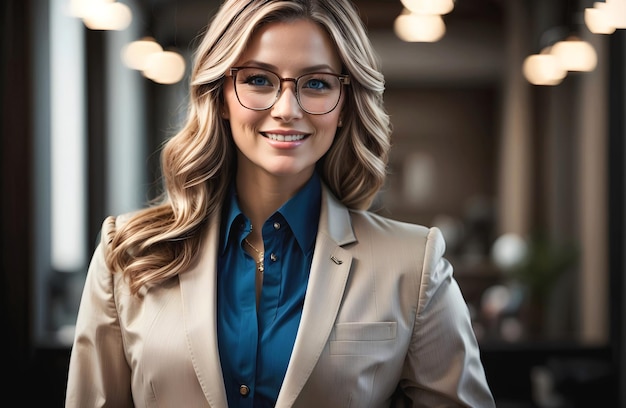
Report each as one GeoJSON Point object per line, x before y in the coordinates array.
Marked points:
{"type": "Point", "coordinates": [199, 162]}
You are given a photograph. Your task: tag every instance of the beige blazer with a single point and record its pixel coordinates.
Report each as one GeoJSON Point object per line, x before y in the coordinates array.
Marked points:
{"type": "Point", "coordinates": [382, 311]}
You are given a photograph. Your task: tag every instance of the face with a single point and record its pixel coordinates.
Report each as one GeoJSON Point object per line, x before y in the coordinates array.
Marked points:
{"type": "Point", "coordinates": [284, 140]}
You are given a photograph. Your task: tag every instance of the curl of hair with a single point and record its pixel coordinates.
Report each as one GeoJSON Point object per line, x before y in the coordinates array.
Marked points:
{"type": "Point", "coordinates": [161, 241]}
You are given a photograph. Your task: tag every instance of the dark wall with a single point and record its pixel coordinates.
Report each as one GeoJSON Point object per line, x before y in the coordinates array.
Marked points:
{"type": "Point", "coordinates": [617, 205]}
{"type": "Point", "coordinates": [42, 370]}
{"type": "Point", "coordinates": [15, 178]}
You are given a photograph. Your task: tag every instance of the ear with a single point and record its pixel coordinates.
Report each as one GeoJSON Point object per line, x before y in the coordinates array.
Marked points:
{"type": "Point", "coordinates": [224, 113]}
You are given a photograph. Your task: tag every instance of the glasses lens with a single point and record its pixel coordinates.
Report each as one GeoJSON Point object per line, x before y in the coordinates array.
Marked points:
{"type": "Point", "coordinates": [319, 93]}
{"type": "Point", "coordinates": [259, 89]}
{"type": "Point", "coordinates": [256, 88]}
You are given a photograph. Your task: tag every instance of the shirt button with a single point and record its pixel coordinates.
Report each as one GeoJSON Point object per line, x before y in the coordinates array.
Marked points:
{"type": "Point", "coordinates": [277, 225]}
{"type": "Point", "coordinates": [244, 390]}
{"type": "Point", "coordinates": [273, 257]}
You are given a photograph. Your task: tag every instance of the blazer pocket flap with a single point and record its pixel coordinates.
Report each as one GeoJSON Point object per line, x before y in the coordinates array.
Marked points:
{"type": "Point", "coordinates": [374, 331]}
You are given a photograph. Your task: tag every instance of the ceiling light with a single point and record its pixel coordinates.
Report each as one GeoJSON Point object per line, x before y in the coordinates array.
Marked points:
{"type": "Point", "coordinates": [106, 15]}
{"type": "Point", "coordinates": [167, 67]}
{"type": "Point", "coordinates": [575, 54]}
{"type": "Point", "coordinates": [419, 27]}
{"type": "Point", "coordinates": [136, 53]}
{"type": "Point", "coordinates": [439, 7]}
{"type": "Point", "coordinates": [616, 9]}
{"type": "Point", "coordinates": [543, 69]}
{"type": "Point", "coordinates": [598, 20]}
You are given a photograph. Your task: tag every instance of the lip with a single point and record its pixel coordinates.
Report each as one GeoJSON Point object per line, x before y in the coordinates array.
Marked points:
{"type": "Point", "coordinates": [285, 136]}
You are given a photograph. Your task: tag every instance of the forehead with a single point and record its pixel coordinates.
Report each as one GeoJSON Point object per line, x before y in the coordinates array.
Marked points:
{"type": "Point", "coordinates": [292, 45]}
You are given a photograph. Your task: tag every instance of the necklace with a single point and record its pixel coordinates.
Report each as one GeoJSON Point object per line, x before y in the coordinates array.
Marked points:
{"type": "Point", "coordinates": [259, 262]}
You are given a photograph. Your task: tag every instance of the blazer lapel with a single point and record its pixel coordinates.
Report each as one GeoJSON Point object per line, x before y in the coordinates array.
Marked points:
{"type": "Point", "coordinates": [327, 281]}
{"type": "Point", "coordinates": [199, 293]}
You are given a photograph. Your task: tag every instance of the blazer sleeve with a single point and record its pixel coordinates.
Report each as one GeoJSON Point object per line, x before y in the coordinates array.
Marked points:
{"type": "Point", "coordinates": [443, 366]}
{"type": "Point", "coordinates": [99, 375]}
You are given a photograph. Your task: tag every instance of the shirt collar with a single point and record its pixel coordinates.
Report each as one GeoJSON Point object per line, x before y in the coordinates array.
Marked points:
{"type": "Point", "coordinates": [301, 212]}
{"type": "Point", "coordinates": [232, 218]}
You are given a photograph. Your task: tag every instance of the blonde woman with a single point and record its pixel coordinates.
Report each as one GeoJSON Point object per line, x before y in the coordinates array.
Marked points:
{"type": "Point", "coordinates": [261, 279]}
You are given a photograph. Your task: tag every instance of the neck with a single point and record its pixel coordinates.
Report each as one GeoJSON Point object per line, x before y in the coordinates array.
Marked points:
{"type": "Point", "coordinates": [261, 194]}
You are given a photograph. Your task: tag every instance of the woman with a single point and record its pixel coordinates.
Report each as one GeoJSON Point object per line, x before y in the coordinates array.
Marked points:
{"type": "Point", "coordinates": [261, 279]}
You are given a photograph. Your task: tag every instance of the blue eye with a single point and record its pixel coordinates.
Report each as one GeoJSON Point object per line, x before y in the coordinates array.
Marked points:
{"type": "Point", "coordinates": [258, 80]}
{"type": "Point", "coordinates": [316, 83]}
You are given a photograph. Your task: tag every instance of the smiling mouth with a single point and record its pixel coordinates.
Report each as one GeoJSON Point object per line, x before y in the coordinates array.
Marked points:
{"type": "Point", "coordinates": [284, 138]}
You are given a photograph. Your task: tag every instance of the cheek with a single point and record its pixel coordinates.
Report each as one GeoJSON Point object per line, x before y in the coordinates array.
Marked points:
{"type": "Point", "coordinates": [237, 115]}
{"type": "Point", "coordinates": [330, 126]}
{"type": "Point", "coordinates": [327, 132]}
{"type": "Point", "coordinates": [338, 113]}
{"type": "Point", "coordinates": [330, 122]}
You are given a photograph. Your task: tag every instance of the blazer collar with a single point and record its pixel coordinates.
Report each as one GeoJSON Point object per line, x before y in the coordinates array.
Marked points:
{"type": "Point", "coordinates": [198, 287]}
{"type": "Point", "coordinates": [329, 273]}
{"type": "Point", "coordinates": [327, 281]}
{"type": "Point", "coordinates": [335, 219]}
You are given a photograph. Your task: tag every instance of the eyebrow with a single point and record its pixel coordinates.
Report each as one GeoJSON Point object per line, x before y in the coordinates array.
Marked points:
{"type": "Point", "coordinates": [270, 67]}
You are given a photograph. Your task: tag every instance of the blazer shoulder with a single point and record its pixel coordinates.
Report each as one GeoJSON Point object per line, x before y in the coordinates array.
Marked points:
{"type": "Point", "coordinates": [385, 224]}
{"type": "Point", "coordinates": [110, 225]}
{"type": "Point", "coordinates": [382, 227]}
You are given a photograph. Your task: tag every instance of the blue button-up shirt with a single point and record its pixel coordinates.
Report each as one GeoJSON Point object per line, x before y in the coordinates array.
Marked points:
{"type": "Point", "coordinates": [255, 344]}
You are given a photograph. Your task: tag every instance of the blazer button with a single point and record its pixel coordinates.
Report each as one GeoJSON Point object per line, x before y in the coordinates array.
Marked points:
{"type": "Point", "coordinates": [244, 390]}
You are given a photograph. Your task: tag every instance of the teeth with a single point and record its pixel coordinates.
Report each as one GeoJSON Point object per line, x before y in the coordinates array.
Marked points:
{"type": "Point", "coordinates": [284, 138]}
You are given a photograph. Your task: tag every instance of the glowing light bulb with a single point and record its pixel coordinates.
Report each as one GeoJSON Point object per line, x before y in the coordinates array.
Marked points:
{"type": "Point", "coordinates": [439, 7]}
{"type": "Point", "coordinates": [419, 27]}
{"type": "Point", "coordinates": [598, 20]}
{"type": "Point", "coordinates": [575, 54]}
{"type": "Point", "coordinates": [136, 53]}
{"type": "Point", "coordinates": [543, 69]}
{"type": "Point", "coordinates": [617, 12]}
{"type": "Point", "coordinates": [167, 67]}
{"type": "Point", "coordinates": [106, 15]}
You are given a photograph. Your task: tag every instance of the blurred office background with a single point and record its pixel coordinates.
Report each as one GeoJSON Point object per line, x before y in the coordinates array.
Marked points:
{"type": "Point", "coordinates": [518, 158]}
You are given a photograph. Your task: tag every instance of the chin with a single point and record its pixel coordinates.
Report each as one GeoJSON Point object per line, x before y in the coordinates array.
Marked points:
{"type": "Point", "coordinates": [290, 171]}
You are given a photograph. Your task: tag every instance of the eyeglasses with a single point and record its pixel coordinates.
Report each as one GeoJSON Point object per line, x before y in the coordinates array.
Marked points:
{"type": "Point", "coordinates": [317, 93]}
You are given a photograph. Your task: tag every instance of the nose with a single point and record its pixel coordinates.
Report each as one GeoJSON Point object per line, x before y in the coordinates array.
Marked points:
{"type": "Point", "coordinates": [286, 107]}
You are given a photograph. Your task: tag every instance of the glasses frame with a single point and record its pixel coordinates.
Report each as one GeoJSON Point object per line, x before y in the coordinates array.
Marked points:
{"type": "Point", "coordinates": [343, 81]}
